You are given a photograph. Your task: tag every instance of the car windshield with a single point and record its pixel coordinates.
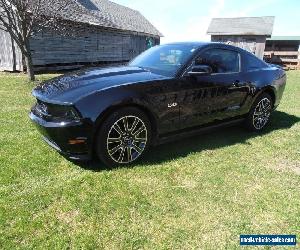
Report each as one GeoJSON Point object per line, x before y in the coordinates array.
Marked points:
{"type": "Point", "coordinates": [165, 59]}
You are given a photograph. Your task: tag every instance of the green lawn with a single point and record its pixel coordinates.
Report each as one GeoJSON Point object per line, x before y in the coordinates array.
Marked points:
{"type": "Point", "coordinates": [199, 193]}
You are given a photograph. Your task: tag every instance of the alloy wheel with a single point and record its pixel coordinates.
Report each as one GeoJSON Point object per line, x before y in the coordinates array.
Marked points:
{"type": "Point", "coordinates": [262, 113]}
{"type": "Point", "coordinates": [127, 139]}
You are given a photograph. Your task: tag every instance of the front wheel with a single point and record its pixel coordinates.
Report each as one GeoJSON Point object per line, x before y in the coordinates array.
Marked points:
{"type": "Point", "coordinates": [259, 115]}
{"type": "Point", "coordinates": [123, 137]}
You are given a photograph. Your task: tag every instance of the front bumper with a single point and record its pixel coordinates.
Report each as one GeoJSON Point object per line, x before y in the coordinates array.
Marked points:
{"type": "Point", "coordinates": [61, 137]}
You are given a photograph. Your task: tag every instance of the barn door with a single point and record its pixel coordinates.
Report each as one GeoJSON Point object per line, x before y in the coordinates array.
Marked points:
{"type": "Point", "coordinates": [10, 54]}
{"type": "Point", "coordinates": [132, 50]}
{"type": "Point", "coordinates": [137, 45]}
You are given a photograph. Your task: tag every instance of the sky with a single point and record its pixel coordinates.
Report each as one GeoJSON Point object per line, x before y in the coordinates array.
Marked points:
{"type": "Point", "coordinates": [188, 20]}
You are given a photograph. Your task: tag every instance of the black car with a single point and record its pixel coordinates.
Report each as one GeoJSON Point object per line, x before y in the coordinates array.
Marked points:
{"type": "Point", "coordinates": [167, 92]}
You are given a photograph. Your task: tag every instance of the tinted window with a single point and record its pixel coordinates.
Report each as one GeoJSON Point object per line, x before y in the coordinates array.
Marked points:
{"type": "Point", "coordinates": [252, 63]}
{"type": "Point", "coordinates": [220, 60]}
{"type": "Point", "coordinates": [164, 59]}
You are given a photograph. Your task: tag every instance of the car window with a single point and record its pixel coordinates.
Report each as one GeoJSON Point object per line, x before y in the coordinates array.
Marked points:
{"type": "Point", "coordinates": [165, 59]}
{"type": "Point", "coordinates": [253, 63]}
{"type": "Point", "coordinates": [220, 60]}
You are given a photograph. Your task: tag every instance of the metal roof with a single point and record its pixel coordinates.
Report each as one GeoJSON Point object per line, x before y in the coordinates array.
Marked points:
{"type": "Point", "coordinates": [106, 14]}
{"type": "Point", "coordinates": [262, 26]}
{"type": "Point", "coordinates": [284, 38]}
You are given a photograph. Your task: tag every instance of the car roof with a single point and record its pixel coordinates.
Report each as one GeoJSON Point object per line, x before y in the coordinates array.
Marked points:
{"type": "Point", "coordinates": [208, 44]}
{"type": "Point", "coordinates": [189, 43]}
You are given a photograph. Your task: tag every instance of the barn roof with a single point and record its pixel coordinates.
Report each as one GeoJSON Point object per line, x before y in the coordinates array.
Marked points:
{"type": "Point", "coordinates": [107, 14]}
{"type": "Point", "coordinates": [284, 38]}
{"type": "Point", "coordinates": [260, 26]}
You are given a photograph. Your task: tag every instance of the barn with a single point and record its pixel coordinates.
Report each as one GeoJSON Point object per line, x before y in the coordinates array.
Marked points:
{"type": "Point", "coordinates": [284, 51]}
{"type": "Point", "coordinates": [102, 32]}
{"type": "Point", "coordinates": [249, 33]}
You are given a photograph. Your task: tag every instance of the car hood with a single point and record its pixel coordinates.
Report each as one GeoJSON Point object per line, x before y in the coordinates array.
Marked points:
{"type": "Point", "coordinates": [71, 87]}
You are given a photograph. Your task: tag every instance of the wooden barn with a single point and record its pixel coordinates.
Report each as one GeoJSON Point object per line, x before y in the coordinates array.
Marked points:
{"type": "Point", "coordinates": [104, 32]}
{"type": "Point", "coordinates": [284, 51]}
{"type": "Point", "coordinates": [249, 33]}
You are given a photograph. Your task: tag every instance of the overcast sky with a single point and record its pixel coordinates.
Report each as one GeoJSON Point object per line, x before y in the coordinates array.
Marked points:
{"type": "Point", "coordinates": [188, 20]}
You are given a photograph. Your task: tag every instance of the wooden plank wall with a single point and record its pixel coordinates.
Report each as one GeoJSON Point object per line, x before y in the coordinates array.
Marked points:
{"type": "Point", "coordinates": [10, 54]}
{"type": "Point", "coordinates": [90, 45]}
{"type": "Point", "coordinates": [85, 44]}
{"type": "Point", "coordinates": [284, 53]}
{"type": "Point", "coordinates": [254, 44]}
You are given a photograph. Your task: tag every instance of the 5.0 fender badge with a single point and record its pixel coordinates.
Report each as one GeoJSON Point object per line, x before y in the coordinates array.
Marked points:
{"type": "Point", "coordinates": [172, 105]}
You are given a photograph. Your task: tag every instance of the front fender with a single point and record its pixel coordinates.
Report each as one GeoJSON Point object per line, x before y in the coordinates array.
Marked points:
{"type": "Point", "coordinates": [98, 105]}
{"type": "Point", "coordinates": [95, 104]}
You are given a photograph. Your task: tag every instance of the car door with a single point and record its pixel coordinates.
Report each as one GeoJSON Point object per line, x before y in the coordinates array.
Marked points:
{"type": "Point", "coordinates": [216, 96]}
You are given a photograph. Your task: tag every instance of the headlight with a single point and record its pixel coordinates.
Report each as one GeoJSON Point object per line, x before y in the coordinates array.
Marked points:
{"type": "Point", "coordinates": [57, 112]}
{"type": "Point", "coordinates": [63, 112]}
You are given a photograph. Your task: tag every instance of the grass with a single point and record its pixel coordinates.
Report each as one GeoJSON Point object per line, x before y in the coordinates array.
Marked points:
{"type": "Point", "coordinates": [201, 192]}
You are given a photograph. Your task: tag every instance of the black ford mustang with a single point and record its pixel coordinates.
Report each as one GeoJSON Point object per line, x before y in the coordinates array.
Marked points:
{"type": "Point", "coordinates": [167, 92]}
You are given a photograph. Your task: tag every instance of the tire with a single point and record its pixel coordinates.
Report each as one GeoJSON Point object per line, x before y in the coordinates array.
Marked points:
{"type": "Point", "coordinates": [121, 144]}
{"type": "Point", "coordinates": [259, 115]}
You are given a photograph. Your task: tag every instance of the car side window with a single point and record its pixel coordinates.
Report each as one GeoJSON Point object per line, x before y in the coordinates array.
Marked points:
{"type": "Point", "coordinates": [220, 60]}
{"type": "Point", "coordinates": [253, 63]}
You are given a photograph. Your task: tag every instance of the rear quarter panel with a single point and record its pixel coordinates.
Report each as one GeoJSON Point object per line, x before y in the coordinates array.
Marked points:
{"type": "Point", "coordinates": [268, 79]}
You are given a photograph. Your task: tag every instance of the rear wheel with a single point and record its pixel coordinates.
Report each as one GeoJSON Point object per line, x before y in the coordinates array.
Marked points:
{"type": "Point", "coordinates": [124, 137]}
{"type": "Point", "coordinates": [260, 113]}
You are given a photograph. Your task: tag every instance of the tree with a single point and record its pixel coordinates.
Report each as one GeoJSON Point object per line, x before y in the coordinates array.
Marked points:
{"type": "Point", "coordinates": [21, 18]}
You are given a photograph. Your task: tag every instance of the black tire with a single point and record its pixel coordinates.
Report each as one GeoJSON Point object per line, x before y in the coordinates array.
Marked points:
{"type": "Point", "coordinates": [259, 115]}
{"type": "Point", "coordinates": [117, 145]}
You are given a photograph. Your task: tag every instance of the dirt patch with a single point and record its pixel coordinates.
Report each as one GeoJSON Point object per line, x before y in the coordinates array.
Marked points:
{"type": "Point", "coordinates": [287, 166]}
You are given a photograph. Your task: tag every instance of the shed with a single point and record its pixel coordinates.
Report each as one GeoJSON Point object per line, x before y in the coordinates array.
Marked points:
{"type": "Point", "coordinates": [106, 32]}
{"type": "Point", "coordinates": [284, 51]}
{"type": "Point", "coordinates": [249, 33]}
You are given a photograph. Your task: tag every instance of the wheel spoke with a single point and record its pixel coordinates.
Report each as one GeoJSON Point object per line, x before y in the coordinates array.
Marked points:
{"type": "Point", "coordinates": [113, 140]}
{"type": "Point", "coordinates": [117, 128]}
{"type": "Point", "coordinates": [125, 123]}
{"type": "Point", "coordinates": [121, 157]}
{"type": "Point", "coordinates": [115, 149]}
{"type": "Point", "coordinates": [140, 140]}
{"type": "Point", "coordinates": [268, 108]}
{"type": "Point", "coordinates": [129, 154]}
{"type": "Point", "coordinates": [137, 149]}
{"type": "Point", "coordinates": [135, 123]}
{"type": "Point", "coordinates": [139, 130]}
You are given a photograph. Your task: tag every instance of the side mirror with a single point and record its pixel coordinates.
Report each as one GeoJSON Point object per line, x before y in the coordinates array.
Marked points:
{"type": "Point", "coordinates": [200, 70]}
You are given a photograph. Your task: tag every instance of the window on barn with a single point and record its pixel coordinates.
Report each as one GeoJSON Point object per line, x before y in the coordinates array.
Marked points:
{"type": "Point", "coordinates": [150, 42]}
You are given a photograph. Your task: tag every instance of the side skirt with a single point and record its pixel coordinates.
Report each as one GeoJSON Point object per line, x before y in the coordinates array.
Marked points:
{"type": "Point", "coordinates": [196, 131]}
